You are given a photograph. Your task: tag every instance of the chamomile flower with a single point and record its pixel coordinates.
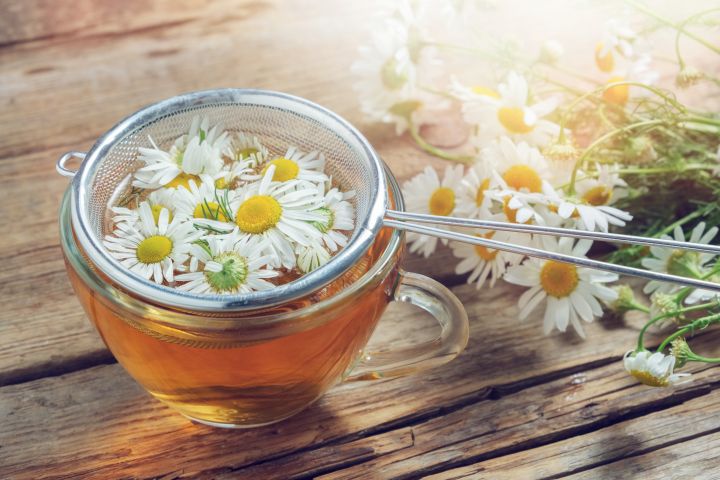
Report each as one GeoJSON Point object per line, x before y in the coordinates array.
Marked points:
{"type": "Point", "coordinates": [603, 189]}
{"type": "Point", "coordinates": [247, 150]}
{"type": "Point", "coordinates": [653, 369]}
{"type": "Point", "coordinates": [618, 38]}
{"type": "Point", "coordinates": [163, 198]}
{"type": "Point", "coordinates": [425, 193]}
{"type": "Point", "coordinates": [234, 175]}
{"type": "Point", "coordinates": [339, 218]}
{"type": "Point", "coordinates": [232, 263]}
{"type": "Point", "coordinates": [484, 263]}
{"type": "Point", "coordinates": [510, 115]}
{"type": "Point", "coordinates": [519, 166]}
{"type": "Point", "coordinates": [200, 151]}
{"type": "Point", "coordinates": [280, 213]}
{"type": "Point", "coordinates": [388, 72]}
{"type": "Point", "coordinates": [570, 292]}
{"type": "Point", "coordinates": [152, 250]}
{"type": "Point", "coordinates": [589, 216]}
{"type": "Point", "coordinates": [310, 257]}
{"type": "Point", "coordinates": [298, 165]}
{"type": "Point", "coordinates": [204, 201]}
{"type": "Point", "coordinates": [473, 201]}
{"type": "Point", "coordinates": [638, 71]}
{"type": "Point", "coordinates": [684, 263]}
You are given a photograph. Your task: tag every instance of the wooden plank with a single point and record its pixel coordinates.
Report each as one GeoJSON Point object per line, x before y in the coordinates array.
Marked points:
{"type": "Point", "coordinates": [603, 453]}
{"type": "Point", "coordinates": [543, 414]}
{"type": "Point", "coordinates": [98, 422]}
{"type": "Point", "coordinates": [692, 460]}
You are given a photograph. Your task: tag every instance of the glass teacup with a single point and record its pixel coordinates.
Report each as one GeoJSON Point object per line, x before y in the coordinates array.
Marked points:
{"type": "Point", "coordinates": [251, 368]}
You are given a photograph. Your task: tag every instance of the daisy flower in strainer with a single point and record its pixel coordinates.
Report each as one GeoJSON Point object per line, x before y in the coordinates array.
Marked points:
{"type": "Point", "coordinates": [485, 263]}
{"type": "Point", "coordinates": [200, 151]}
{"type": "Point", "coordinates": [653, 369]}
{"type": "Point", "coordinates": [310, 257]}
{"type": "Point", "coordinates": [280, 213]}
{"type": "Point", "coordinates": [339, 218]}
{"type": "Point", "coordinates": [684, 263]}
{"type": "Point", "coordinates": [298, 165]}
{"type": "Point", "coordinates": [510, 115]}
{"type": "Point", "coordinates": [152, 250]}
{"type": "Point", "coordinates": [235, 174]}
{"type": "Point", "coordinates": [204, 200]}
{"type": "Point", "coordinates": [246, 148]}
{"type": "Point", "coordinates": [570, 293]}
{"type": "Point", "coordinates": [232, 263]}
{"type": "Point", "coordinates": [159, 200]}
{"type": "Point", "coordinates": [425, 193]}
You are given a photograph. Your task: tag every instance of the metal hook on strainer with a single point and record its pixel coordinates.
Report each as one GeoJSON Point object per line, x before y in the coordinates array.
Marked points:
{"type": "Point", "coordinates": [279, 120]}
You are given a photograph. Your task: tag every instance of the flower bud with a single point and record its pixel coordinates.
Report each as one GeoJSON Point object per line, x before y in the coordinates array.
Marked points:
{"type": "Point", "coordinates": [680, 350]}
{"type": "Point", "coordinates": [642, 149]}
{"type": "Point", "coordinates": [687, 77]}
{"type": "Point", "coordinates": [625, 300]}
{"type": "Point", "coordinates": [551, 51]}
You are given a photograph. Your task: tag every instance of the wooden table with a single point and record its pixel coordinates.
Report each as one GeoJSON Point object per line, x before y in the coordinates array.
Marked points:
{"type": "Point", "coordinates": [514, 405]}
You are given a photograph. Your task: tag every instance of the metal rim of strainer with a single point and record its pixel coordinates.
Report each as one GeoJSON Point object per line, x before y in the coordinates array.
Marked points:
{"type": "Point", "coordinates": [362, 238]}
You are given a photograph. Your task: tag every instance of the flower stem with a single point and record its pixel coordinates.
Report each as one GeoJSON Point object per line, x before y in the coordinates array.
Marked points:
{"type": "Point", "coordinates": [704, 322]}
{"type": "Point", "coordinates": [433, 150]}
{"type": "Point", "coordinates": [693, 308]}
{"type": "Point", "coordinates": [679, 27]}
{"type": "Point", "coordinates": [580, 161]}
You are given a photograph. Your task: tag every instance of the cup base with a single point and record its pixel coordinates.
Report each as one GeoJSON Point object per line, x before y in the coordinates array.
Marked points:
{"type": "Point", "coordinates": [236, 426]}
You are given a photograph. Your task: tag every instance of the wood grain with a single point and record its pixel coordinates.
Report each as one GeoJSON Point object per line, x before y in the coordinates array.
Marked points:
{"type": "Point", "coordinates": [513, 405]}
{"type": "Point", "coordinates": [47, 428]}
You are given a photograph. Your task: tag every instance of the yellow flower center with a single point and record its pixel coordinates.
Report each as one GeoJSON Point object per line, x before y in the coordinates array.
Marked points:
{"type": "Point", "coordinates": [183, 180]}
{"type": "Point", "coordinates": [442, 201]}
{"type": "Point", "coordinates": [487, 254]}
{"type": "Point", "coordinates": [210, 210]}
{"type": "Point", "coordinates": [606, 62]}
{"type": "Point", "coordinates": [618, 94]}
{"type": "Point", "coordinates": [258, 214]}
{"type": "Point", "coordinates": [154, 249]}
{"type": "Point", "coordinates": [285, 169]}
{"type": "Point", "coordinates": [510, 214]}
{"type": "Point", "coordinates": [157, 209]}
{"type": "Point", "coordinates": [244, 153]}
{"type": "Point", "coordinates": [221, 184]}
{"type": "Point", "coordinates": [599, 195]}
{"type": "Point", "coordinates": [485, 91]}
{"type": "Point", "coordinates": [513, 119]}
{"type": "Point", "coordinates": [559, 279]}
{"type": "Point", "coordinates": [480, 194]}
{"type": "Point", "coordinates": [648, 379]}
{"type": "Point", "coordinates": [521, 177]}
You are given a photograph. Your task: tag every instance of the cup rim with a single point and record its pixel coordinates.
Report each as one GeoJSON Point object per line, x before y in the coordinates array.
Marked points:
{"type": "Point", "coordinates": [212, 319]}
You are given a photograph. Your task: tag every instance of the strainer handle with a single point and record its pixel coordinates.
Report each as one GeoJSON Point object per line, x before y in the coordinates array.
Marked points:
{"type": "Point", "coordinates": [445, 307]}
{"type": "Point", "coordinates": [61, 165]}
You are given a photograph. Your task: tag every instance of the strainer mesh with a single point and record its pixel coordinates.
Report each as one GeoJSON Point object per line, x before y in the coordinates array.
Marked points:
{"type": "Point", "coordinates": [276, 128]}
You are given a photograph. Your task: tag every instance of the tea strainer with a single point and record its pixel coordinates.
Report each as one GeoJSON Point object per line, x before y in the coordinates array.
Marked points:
{"type": "Point", "coordinates": [280, 120]}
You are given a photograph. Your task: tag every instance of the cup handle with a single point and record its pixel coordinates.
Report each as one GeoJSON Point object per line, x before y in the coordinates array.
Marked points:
{"type": "Point", "coordinates": [439, 302]}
